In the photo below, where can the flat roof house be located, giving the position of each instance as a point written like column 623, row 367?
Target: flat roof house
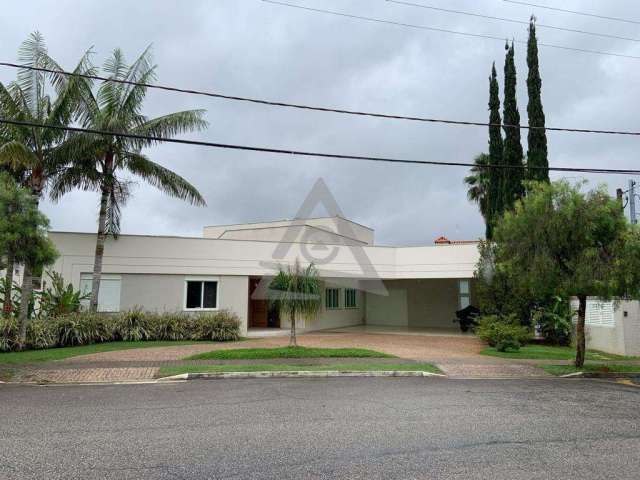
column 363, row 283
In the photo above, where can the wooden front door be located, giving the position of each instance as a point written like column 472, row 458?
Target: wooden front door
column 258, row 308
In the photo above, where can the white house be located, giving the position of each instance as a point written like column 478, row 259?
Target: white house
column 363, row 283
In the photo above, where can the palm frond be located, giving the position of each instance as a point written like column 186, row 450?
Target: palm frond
column 162, row 178
column 17, row 156
column 168, row 126
column 77, row 176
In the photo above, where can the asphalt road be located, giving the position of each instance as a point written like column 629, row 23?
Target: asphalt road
column 364, row 428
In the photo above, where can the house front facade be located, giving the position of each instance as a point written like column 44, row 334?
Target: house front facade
column 230, row 266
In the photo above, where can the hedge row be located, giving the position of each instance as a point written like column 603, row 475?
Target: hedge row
column 84, row 328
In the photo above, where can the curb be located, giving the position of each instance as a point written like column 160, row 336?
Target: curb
column 601, row 375
column 299, row 374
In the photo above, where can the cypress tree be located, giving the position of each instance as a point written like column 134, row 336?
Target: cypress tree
column 495, row 204
column 537, row 137
column 512, row 153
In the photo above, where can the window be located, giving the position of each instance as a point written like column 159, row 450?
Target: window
column 600, row 313
column 332, row 298
column 201, row 295
column 350, row 298
column 464, row 294
column 108, row 295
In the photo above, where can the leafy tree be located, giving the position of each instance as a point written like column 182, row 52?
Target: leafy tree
column 31, row 153
column 536, row 137
column 496, row 200
column 499, row 291
column 100, row 161
column 478, row 186
column 23, row 230
column 296, row 291
column 559, row 241
column 512, row 155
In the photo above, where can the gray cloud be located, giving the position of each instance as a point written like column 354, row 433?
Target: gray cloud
column 256, row 49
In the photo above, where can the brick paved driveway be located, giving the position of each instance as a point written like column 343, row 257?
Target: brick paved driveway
column 458, row 356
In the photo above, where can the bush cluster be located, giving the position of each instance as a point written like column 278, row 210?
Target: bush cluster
column 84, row 328
column 503, row 333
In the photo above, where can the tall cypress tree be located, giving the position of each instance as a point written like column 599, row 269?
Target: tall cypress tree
column 512, row 153
column 495, row 201
column 537, row 137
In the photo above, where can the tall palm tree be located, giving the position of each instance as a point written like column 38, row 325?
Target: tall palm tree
column 32, row 153
column 296, row 291
column 478, row 185
column 101, row 160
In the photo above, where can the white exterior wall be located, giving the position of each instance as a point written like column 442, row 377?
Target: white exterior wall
column 297, row 233
column 332, row 317
column 154, row 268
column 201, row 256
column 167, row 293
column 275, row 231
column 622, row 338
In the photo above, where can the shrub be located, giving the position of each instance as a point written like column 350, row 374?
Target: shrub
column 169, row 326
column 42, row 334
column 72, row 331
column 60, row 299
column 133, row 326
column 220, row 326
column 555, row 321
column 503, row 333
column 8, row 334
column 84, row 328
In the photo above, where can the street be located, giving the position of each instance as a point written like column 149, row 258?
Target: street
column 364, row 428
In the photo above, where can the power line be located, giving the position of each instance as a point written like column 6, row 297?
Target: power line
column 302, row 153
column 444, row 30
column 585, row 14
column 511, row 20
column 317, row 108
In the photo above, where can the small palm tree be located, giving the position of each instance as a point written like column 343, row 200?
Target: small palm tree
column 31, row 153
column 478, row 183
column 296, row 291
column 100, row 160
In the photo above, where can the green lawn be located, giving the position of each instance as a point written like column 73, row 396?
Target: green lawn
column 287, row 352
column 356, row 367
column 590, row 368
column 31, row 356
column 546, row 352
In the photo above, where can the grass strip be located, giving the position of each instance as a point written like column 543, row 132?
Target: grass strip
column 548, row 352
column 51, row 354
column 590, row 368
column 287, row 352
column 352, row 367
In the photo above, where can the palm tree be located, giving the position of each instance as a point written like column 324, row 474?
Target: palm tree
column 100, row 160
column 478, row 188
column 478, row 183
column 296, row 291
column 32, row 153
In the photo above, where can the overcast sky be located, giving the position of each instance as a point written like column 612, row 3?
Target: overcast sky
column 252, row 48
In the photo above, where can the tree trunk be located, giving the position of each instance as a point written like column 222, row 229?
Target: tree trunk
column 25, row 300
column 292, row 339
column 97, row 261
column 580, row 338
column 27, row 278
column 7, row 306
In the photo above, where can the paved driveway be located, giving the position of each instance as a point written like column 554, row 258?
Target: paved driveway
column 423, row 348
column 457, row 355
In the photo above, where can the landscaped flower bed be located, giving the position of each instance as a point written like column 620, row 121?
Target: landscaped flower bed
column 85, row 328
